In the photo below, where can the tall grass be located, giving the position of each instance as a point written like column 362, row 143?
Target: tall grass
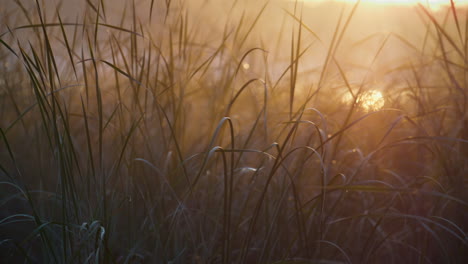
column 186, row 132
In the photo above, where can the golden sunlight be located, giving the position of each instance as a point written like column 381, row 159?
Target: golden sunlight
column 371, row 100
column 434, row 4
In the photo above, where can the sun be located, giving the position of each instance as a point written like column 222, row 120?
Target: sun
column 371, row 100
column 368, row 101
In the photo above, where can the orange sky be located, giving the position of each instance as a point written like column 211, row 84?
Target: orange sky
column 432, row 3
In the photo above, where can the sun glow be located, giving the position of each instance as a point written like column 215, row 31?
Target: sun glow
column 371, row 100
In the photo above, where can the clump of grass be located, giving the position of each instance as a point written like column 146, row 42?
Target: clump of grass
column 134, row 133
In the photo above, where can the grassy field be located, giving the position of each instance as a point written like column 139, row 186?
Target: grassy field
column 153, row 131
